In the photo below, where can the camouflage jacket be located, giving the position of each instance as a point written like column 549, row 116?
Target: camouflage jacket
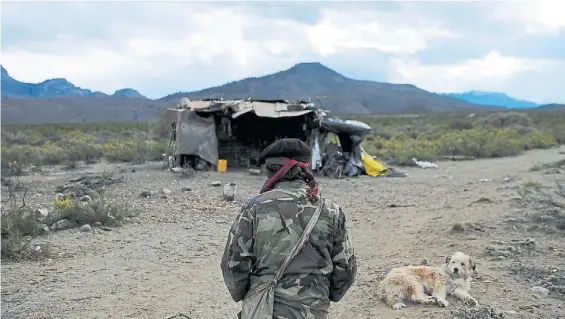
column 263, row 233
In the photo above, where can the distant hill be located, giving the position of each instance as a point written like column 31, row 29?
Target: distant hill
column 552, row 106
column 332, row 91
column 492, row 98
column 127, row 93
column 52, row 88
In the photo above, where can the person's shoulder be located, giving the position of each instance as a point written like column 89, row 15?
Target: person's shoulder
column 331, row 205
column 275, row 195
column 331, row 208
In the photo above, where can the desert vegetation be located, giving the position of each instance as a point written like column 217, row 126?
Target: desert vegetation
column 28, row 146
column 398, row 139
column 395, row 139
column 80, row 202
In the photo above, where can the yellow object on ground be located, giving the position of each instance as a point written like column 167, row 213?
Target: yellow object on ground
column 222, row 166
column 372, row 166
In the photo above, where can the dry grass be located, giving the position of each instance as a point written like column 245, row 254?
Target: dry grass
column 28, row 146
column 21, row 225
column 104, row 211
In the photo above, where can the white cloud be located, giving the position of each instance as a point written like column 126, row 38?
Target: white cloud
column 163, row 47
column 533, row 16
column 341, row 31
column 492, row 72
column 140, row 40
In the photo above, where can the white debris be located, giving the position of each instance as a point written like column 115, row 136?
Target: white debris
column 424, row 164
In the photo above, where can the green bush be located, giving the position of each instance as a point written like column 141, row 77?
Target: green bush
column 397, row 140
column 105, row 211
column 68, row 144
column 19, row 226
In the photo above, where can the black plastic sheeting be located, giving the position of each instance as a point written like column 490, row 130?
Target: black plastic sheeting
column 345, row 126
column 350, row 134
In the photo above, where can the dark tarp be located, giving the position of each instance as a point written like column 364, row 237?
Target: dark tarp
column 345, row 126
column 196, row 135
column 351, row 134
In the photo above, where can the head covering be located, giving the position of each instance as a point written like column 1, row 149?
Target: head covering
column 291, row 148
column 289, row 155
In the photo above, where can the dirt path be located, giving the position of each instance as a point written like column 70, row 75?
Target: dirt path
column 167, row 261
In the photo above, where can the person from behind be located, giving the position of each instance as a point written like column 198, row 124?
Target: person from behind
column 289, row 252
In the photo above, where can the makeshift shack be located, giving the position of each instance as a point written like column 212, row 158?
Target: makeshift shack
column 239, row 130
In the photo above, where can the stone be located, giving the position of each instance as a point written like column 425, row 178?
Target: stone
column 111, row 220
column 166, row 191
column 146, row 194
column 540, row 290
column 45, row 229
column 41, row 213
column 61, row 224
column 229, row 191
column 175, row 170
column 186, row 189
column 85, row 228
column 253, row 171
column 98, row 224
column 105, row 228
column 86, row 198
column 216, row 183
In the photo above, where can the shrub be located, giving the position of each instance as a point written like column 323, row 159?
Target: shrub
column 63, row 202
column 477, row 143
column 397, row 138
column 133, row 151
column 401, row 149
column 105, row 211
column 19, row 227
column 505, row 120
column 82, row 148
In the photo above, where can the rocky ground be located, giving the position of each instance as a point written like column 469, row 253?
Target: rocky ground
column 165, row 261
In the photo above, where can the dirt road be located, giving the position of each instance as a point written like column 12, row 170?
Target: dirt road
column 166, row 260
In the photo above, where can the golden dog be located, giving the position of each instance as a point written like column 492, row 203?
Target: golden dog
column 426, row 284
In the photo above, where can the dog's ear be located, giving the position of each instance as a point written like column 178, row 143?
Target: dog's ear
column 472, row 265
column 447, row 259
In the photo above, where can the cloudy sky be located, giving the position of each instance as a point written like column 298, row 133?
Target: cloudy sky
column 164, row 47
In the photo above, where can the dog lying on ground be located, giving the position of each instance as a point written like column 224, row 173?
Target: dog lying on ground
column 427, row 285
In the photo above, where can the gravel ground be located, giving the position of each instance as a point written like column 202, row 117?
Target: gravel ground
column 166, row 260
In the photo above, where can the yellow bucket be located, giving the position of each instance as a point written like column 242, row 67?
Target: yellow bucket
column 222, row 165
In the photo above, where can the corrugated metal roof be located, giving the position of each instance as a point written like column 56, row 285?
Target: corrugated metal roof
column 262, row 108
column 241, row 112
column 266, row 109
column 283, row 114
column 200, row 104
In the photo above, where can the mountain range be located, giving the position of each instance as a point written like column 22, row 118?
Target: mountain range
column 52, row 88
column 493, row 98
column 58, row 100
